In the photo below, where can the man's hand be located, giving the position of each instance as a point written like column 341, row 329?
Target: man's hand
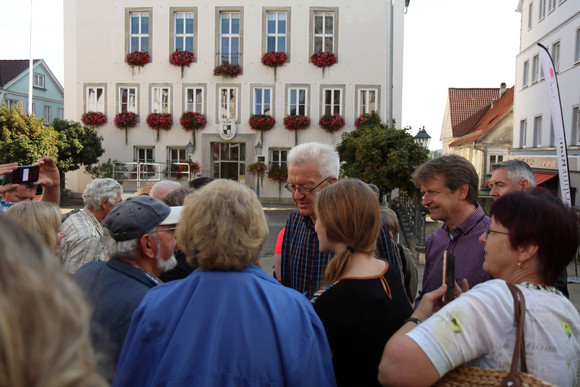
column 6, row 169
column 49, row 179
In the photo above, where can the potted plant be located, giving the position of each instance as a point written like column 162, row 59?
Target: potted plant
column 183, row 170
column 258, row 169
column 261, row 122
column 227, row 70
column 159, row 121
column 93, row 119
column 274, row 59
column 296, row 122
column 138, row 58
column 193, row 121
column 279, row 174
column 181, row 59
column 323, row 59
column 331, row 123
column 125, row 120
column 365, row 119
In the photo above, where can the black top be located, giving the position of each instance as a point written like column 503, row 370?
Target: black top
column 359, row 316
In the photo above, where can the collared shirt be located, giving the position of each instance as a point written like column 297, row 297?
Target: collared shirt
column 252, row 331
column 4, row 205
column 82, row 242
column 303, row 264
column 463, row 242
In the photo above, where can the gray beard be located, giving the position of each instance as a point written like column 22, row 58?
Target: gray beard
column 168, row 264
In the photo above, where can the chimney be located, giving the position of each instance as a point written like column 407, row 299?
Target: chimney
column 502, row 89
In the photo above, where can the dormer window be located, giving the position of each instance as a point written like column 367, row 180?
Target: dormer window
column 38, row 81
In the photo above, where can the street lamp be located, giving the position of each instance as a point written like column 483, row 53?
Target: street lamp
column 422, row 138
column 258, row 151
column 189, row 149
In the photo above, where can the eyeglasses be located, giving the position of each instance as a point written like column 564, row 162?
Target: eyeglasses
column 303, row 190
column 497, row 232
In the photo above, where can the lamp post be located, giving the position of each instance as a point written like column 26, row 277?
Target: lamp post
column 422, row 138
column 189, row 149
column 258, row 151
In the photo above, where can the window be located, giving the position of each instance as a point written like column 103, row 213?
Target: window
column 537, row 131
column 184, row 31
column 144, row 154
column 551, row 5
column 542, row 10
column 230, row 37
column 38, row 81
column 59, row 114
column 331, row 101
column 139, row 30
column 575, row 125
column 279, row 157
column 127, row 99
column 523, row 133
column 12, row 103
column 530, row 8
column 194, row 99
column 276, row 33
column 367, row 101
column 176, row 155
column 160, row 99
column 535, row 68
column 324, row 31
column 556, row 56
column 228, row 104
column 492, row 160
column 577, row 53
column 48, row 114
column 262, row 100
column 526, row 73
column 297, row 101
column 95, row 99
column 229, row 160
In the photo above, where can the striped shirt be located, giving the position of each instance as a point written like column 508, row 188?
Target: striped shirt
column 303, row 265
column 463, row 242
column 82, row 242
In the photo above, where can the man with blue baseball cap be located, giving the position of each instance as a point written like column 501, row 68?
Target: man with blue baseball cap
column 139, row 237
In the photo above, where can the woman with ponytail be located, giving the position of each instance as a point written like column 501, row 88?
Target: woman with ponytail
column 362, row 302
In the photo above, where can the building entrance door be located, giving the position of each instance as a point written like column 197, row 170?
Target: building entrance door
column 229, row 160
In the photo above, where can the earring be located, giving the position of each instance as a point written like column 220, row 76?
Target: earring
column 520, row 265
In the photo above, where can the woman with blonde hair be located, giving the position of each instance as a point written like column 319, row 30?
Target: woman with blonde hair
column 228, row 323
column 42, row 219
column 363, row 301
column 44, row 323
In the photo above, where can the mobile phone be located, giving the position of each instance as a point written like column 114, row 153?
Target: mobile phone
column 25, row 174
column 448, row 277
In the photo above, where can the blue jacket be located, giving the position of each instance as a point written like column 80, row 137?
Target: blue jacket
column 225, row 329
column 114, row 289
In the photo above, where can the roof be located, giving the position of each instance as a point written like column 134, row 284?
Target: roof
column 11, row 68
column 467, row 106
column 490, row 117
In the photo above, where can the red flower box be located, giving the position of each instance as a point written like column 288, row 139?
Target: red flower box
column 193, row 120
column 94, row 119
column 274, row 59
column 323, row 59
column 181, row 58
column 124, row 120
column 331, row 123
column 138, row 58
column 261, row 122
column 160, row 121
column 296, row 122
column 227, row 70
column 278, row 173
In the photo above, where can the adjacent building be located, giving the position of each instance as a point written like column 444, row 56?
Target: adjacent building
column 47, row 92
column 366, row 77
column 556, row 25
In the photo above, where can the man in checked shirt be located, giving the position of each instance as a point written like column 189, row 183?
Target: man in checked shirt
column 311, row 168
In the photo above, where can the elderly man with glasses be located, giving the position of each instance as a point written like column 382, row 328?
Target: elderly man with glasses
column 312, row 167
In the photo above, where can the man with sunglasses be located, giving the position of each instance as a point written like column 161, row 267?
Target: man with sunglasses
column 312, row 167
column 139, row 237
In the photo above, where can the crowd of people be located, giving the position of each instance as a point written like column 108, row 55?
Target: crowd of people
column 165, row 287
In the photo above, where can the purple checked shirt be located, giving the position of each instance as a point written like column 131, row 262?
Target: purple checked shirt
column 463, row 242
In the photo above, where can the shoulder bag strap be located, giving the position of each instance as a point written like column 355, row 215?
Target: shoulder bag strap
column 513, row 379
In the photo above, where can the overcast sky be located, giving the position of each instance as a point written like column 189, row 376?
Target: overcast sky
column 448, row 43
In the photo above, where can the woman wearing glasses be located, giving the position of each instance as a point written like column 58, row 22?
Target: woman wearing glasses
column 531, row 239
column 362, row 302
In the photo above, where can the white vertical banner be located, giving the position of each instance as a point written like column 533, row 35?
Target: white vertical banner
column 558, row 123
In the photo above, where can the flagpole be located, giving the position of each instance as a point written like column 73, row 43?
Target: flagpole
column 30, row 66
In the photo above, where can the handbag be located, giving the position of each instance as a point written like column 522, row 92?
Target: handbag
column 476, row 376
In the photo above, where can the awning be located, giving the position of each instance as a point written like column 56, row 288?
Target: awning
column 543, row 177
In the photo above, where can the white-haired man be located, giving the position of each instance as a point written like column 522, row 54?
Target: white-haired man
column 83, row 229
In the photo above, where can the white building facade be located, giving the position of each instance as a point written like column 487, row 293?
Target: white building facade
column 99, row 35
column 556, row 25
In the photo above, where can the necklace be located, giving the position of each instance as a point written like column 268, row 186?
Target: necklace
column 544, row 288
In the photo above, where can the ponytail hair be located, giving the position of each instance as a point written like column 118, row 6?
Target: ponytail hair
column 350, row 212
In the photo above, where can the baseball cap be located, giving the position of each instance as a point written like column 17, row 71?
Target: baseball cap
column 136, row 216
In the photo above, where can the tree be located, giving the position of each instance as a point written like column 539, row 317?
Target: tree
column 77, row 145
column 382, row 156
column 24, row 138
